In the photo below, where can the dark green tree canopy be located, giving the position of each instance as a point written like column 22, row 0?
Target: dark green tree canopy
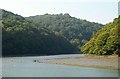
column 21, row 37
column 73, row 29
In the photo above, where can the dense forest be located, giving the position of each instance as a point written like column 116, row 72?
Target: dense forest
column 48, row 34
column 57, row 34
column 21, row 37
column 77, row 31
column 106, row 41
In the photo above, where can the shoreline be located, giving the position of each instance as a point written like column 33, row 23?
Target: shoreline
column 104, row 62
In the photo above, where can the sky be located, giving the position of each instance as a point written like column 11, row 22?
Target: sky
column 101, row 11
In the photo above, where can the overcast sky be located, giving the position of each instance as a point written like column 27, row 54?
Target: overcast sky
column 102, row 11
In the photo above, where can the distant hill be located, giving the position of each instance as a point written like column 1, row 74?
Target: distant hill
column 21, row 37
column 77, row 31
column 106, row 41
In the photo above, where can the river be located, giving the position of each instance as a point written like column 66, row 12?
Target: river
column 25, row 67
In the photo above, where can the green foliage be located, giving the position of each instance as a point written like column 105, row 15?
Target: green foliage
column 75, row 42
column 21, row 37
column 73, row 29
column 106, row 41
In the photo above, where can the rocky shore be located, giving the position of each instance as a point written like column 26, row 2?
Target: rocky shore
column 110, row 62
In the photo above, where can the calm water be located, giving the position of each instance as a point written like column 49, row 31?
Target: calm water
column 25, row 67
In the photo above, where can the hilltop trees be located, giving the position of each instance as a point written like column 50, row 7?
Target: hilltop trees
column 73, row 29
column 21, row 37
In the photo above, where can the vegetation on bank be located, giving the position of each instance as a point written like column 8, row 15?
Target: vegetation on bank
column 106, row 41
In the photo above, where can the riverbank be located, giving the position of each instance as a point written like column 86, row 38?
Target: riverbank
column 109, row 62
